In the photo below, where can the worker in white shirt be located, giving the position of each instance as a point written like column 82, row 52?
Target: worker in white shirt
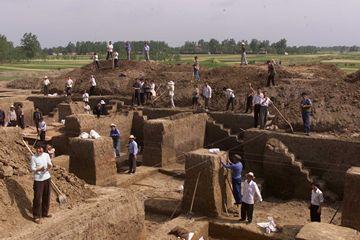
column 42, row 129
column 317, row 200
column 110, row 48
column 40, row 164
column 92, row 85
column 230, row 97
column 264, row 105
column 87, row 108
column 68, row 86
column 85, row 97
column 116, row 59
column 171, row 89
column 96, row 61
column 257, row 98
column 46, row 85
column 206, row 93
column 250, row 190
column 146, row 51
column 12, row 117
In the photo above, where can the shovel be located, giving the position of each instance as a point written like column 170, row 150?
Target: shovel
column 61, row 198
column 190, row 213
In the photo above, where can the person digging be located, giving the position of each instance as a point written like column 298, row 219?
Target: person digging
column 236, row 169
column 40, row 165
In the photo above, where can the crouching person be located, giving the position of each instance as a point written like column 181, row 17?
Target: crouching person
column 40, row 165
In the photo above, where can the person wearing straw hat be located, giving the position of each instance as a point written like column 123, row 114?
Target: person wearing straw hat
column 243, row 54
column 115, row 135
column 40, row 164
column 46, row 85
column 250, row 190
column 133, row 151
column 171, row 89
column 12, row 117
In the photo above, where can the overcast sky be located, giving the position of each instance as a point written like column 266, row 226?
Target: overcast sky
column 301, row 22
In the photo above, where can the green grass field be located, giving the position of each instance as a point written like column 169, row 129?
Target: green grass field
column 348, row 62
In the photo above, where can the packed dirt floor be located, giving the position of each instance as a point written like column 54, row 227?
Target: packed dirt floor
column 335, row 95
column 336, row 112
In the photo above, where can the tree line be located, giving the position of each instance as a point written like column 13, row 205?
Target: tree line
column 30, row 48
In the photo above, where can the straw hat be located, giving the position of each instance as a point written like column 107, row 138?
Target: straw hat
column 131, row 137
column 251, row 174
column 112, row 125
column 102, row 102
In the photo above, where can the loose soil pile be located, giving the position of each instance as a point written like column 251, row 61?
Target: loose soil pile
column 335, row 100
column 16, row 184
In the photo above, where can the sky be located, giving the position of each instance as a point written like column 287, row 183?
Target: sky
column 301, row 22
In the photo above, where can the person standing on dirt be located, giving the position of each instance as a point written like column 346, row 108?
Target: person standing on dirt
column 133, row 151
column 128, row 50
column 20, row 116
column 85, row 97
column 12, row 117
column 250, row 190
column 230, row 97
column 306, row 106
column 115, row 135
column 264, row 105
column 195, row 97
column 317, row 200
column 46, row 85
column 171, row 89
column 40, row 165
column 37, row 115
column 249, row 99
column 147, row 88
column 97, row 110
column 103, row 110
column 271, row 73
column 109, row 48
column 2, row 117
column 116, row 59
column 96, row 61
column 196, row 69
column 87, row 108
column 146, row 51
column 258, row 97
column 92, row 85
column 236, row 169
column 152, row 90
column 243, row 54
column 42, row 129
column 68, row 86
column 136, row 96
column 142, row 91
column 207, row 94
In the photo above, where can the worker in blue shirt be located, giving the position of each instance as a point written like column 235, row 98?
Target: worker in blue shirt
column 115, row 135
column 133, row 151
column 236, row 169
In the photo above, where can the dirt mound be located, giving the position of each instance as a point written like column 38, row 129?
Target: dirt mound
column 336, row 101
column 16, row 183
column 353, row 77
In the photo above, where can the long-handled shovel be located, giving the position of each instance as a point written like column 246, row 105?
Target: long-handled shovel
column 60, row 196
column 190, row 213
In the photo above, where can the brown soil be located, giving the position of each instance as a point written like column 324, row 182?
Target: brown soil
column 16, row 186
column 353, row 77
column 336, row 101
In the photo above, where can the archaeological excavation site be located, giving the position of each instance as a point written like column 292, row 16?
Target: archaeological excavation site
column 180, row 189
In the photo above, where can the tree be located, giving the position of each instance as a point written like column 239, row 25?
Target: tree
column 214, row 46
column 280, row 46
column 254, row 45
column 70, row 48
column 6, row 48
column 30, row 45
